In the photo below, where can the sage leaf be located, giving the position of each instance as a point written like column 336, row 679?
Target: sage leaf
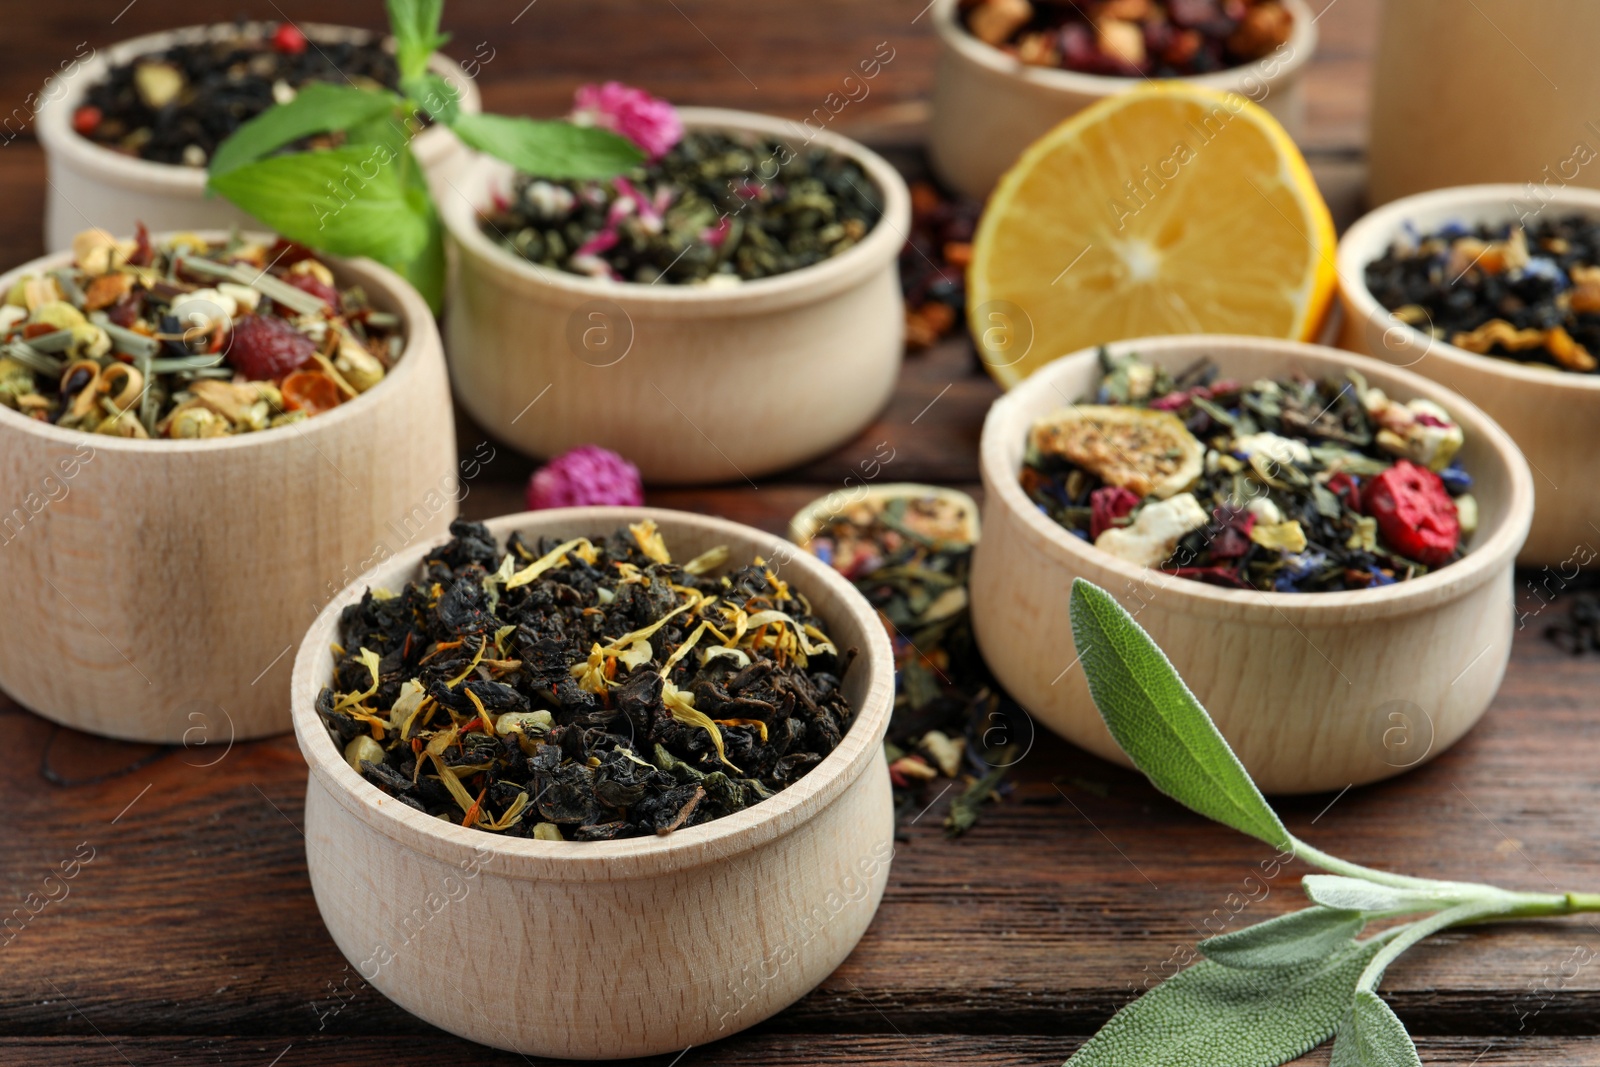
column 1356, row 894
column 1373, row 1036
column 320, row 107
column 548, row 149
column 1287, row 941
column 416, row 33
column 1159, row 723
column 1222, row 1017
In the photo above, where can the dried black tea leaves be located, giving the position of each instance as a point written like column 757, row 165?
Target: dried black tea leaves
column 716, row 209
column 177, row 105
column 1526, row 294
column 585, row 689
column 1289, row 484
column 910, row 556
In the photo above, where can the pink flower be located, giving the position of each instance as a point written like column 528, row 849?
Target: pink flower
column 588, row 474
column 647, row 121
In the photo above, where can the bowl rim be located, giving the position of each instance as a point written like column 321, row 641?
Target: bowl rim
column 806, row 522
column 1302, row 44
column 1492, row 557
column 1374, row 232
column 416, row 320
column 62, row 91
column 880, row 247
column 637, row 857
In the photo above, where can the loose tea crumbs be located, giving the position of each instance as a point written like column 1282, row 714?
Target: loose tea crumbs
column 1531, row 295
column 933, row 264
column 910, row 557
column 716, row 209
column 584, row 690
column 178, row 105
column 1289, row 484
column 1131, row 38
column 187, row 338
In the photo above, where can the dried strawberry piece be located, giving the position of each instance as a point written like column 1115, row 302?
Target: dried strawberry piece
column 286, row 253
column 1108, row 504
column 1345, row 486
column 318, row 288
column 1415, row 514
column 264, row 346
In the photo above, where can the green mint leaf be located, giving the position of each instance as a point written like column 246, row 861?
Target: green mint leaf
column 1159, row 723
column 1222, row 1017
column 1356, row 894
column 549, row 149
column 416, row 33
column 320, row 107
column 1373, row 1036
column 433, row 94
column 358, row 200
column 1287, row 941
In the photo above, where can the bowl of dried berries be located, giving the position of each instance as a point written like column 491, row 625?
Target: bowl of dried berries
column 1009, row 70
column 628, row 761
column 202, row 436
column 727, row 309
column 1494, row 291
column 1322, row 543
column 128, row 132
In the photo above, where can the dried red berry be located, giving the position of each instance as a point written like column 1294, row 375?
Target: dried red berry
column 1415, row 513
column 310, row 283
column 86, row 119
column 264, row 346
column 288, row 39
column 1107, row 505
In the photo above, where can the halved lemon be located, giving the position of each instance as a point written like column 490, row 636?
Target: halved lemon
column 1163, row 210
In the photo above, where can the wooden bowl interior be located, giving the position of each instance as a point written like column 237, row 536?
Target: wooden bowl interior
column 850, row 621
column 1501, row 482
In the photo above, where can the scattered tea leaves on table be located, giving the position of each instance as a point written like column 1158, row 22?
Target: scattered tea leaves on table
column 584, row 689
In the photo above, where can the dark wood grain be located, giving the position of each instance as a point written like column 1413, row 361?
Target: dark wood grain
column 192, row 937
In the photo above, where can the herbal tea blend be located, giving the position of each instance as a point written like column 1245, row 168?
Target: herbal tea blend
column 178, row 105
column 188, row 338
column 1131, row 38
column 1289, row 485
column 933, row 264
column 1531, row 295
column 705, row 208
column 584, row 690
column 910, row 556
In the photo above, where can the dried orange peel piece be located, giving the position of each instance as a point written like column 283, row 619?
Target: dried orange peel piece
column 1151, row 453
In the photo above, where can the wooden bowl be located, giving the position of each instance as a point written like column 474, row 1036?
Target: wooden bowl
column 1553, row 415
column 601, row 950
column 989, row 106
column 90, row 185
column 809, row 519
column 156, row 588
column 1315, row 691
column 1436, row 106
column 692, row 384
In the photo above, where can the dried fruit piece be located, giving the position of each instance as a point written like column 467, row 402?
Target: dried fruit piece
column 288, row 39
column 1155, row 532
column 994, row 21
column 1415, row 513
column 86, row 119
column 310, row 391
column 263, row 346
column 1150, row 453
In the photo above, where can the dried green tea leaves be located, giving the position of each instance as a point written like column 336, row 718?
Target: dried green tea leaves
column 584, row 690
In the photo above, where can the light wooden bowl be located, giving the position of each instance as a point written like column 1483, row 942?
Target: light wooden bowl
column 989, row 106
column 1448, row 81
column 809, row 519
column 1315, row 691
column 602, row 950
column 1553, row 415
column 156, row 588
column 90, row 185
column 691, row 384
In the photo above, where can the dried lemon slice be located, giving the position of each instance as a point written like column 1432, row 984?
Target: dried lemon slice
column 1151, row 453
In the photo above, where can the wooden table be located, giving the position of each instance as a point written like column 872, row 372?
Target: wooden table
column 191, row 935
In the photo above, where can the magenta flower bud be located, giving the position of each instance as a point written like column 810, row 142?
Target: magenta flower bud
column 647, row 121
column 588, row 474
